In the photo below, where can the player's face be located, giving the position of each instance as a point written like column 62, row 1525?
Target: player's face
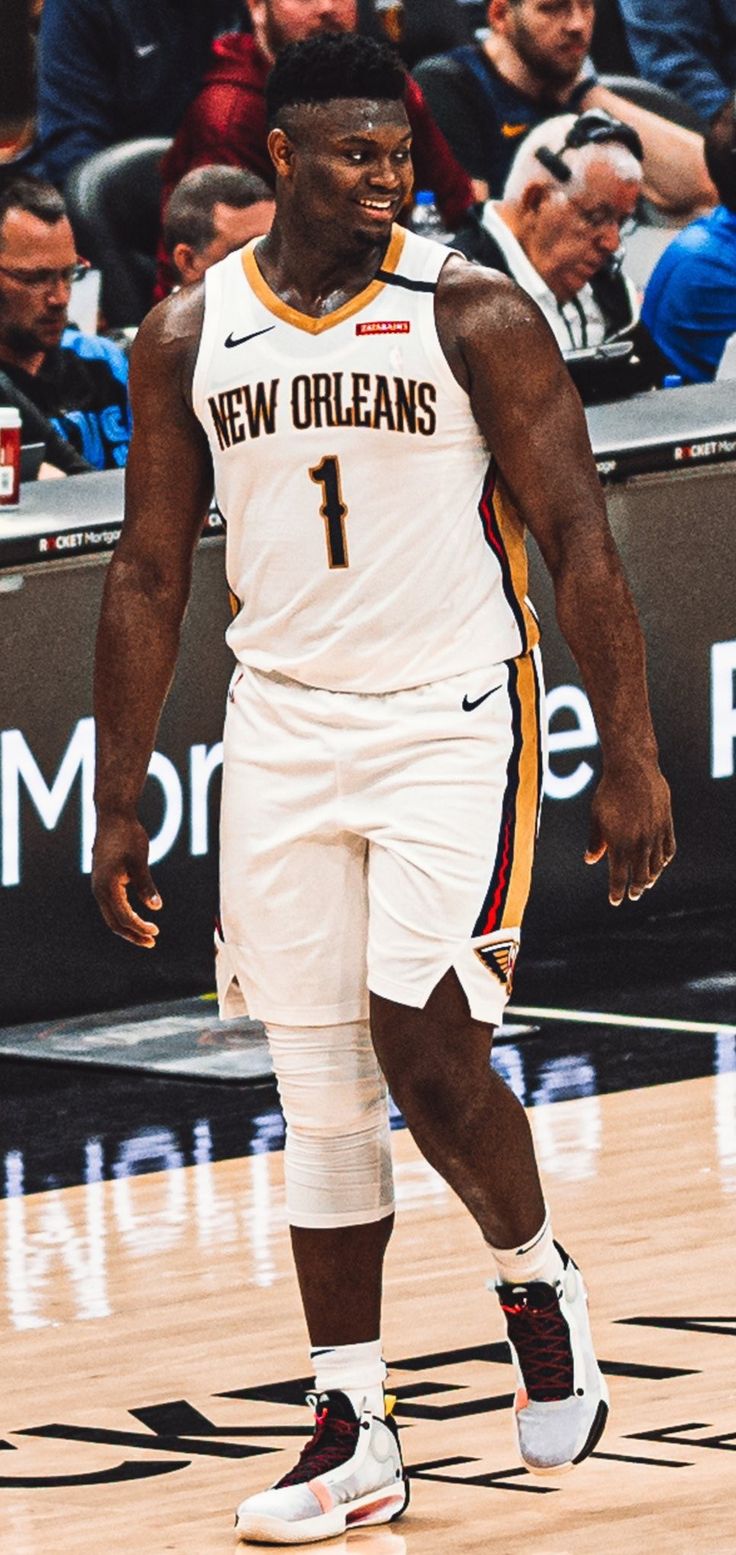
column 352, row 170
column 551, row 36
column 572, row 235
column 34, row 290
column 289, row 21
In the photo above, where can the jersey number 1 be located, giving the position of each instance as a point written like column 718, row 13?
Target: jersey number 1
column 333, row 509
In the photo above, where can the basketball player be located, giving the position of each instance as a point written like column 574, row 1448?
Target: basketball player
column 346, row 380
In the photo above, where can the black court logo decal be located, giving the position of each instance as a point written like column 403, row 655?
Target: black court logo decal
column 176, row 1433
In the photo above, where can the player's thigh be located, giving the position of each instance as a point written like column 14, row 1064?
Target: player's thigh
column 450, row 865
column 292, row 882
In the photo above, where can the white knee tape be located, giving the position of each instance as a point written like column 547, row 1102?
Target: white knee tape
column 338, row 1142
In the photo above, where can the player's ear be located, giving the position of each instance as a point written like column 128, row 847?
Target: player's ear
column 281, row 151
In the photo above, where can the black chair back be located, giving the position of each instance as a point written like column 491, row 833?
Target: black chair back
column 426, row 26
column 113, row 200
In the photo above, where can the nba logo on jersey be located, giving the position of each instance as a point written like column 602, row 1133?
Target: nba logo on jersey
column 500, row 958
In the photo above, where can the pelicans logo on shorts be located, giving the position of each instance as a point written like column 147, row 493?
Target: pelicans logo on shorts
column 500, row 958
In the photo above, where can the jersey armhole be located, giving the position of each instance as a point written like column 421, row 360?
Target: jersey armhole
column 433, row 345
column 213, row 290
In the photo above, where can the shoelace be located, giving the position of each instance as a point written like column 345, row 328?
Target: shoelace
column 542, row 1342
column 332, row 1444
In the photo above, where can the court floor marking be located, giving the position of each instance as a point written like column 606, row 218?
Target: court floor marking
column 600, row 1018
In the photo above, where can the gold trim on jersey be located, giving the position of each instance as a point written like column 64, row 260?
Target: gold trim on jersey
column 304, row 321
column 513, row 538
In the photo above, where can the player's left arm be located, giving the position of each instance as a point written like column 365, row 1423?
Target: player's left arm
column 503, row 352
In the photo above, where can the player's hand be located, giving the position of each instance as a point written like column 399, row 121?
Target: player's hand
column 120, row 860
column 631, row 821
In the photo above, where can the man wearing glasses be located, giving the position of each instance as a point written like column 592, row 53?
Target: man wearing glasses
column 77, row 382
column 558, row 231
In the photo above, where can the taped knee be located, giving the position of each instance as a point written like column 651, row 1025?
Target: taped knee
column 338, row 1142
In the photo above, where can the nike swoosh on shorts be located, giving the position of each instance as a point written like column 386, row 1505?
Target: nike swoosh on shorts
column 468, row 706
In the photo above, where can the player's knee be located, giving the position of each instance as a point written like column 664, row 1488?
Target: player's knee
column 329, row 1079
column 434, row 1085
column 425, row 1099
column 335, row 1102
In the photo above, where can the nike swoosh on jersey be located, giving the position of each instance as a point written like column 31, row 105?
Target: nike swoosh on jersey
column 142, row 49
column 468, row 706
column 510, row 131
column 230, row 342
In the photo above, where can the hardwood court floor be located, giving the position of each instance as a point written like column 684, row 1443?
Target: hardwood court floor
column 150, row 1326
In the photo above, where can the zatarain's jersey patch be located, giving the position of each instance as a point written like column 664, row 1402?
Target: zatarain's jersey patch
column 384, row 327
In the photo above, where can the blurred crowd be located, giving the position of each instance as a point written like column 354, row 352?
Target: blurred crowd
column 587, row 150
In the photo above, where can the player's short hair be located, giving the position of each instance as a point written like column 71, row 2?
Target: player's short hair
column 720, row 153
column 39, row 198
column 189, row 216
column 329, row 66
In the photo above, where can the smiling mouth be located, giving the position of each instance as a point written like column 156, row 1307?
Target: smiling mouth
column 378, row 207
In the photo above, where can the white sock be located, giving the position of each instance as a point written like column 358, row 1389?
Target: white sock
column 358, row 1370
column 535, row 1259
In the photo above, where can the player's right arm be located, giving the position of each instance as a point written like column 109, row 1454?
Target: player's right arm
column 503, row 352
column 168, row 488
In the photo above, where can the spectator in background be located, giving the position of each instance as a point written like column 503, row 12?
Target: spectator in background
column 212, row 211
column 78, row 382
column 690, row 300
column 226, row 122
column 688, row 46
column 572, row 189
column 415, row 27
column 17, row 88
column 112, row 70
column 534, row 64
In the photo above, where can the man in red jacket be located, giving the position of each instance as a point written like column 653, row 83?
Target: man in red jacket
column 226, row 122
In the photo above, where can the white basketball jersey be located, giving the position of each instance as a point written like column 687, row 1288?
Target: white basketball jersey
column 365, row 546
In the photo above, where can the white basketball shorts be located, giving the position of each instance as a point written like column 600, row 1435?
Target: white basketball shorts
column 375, row 841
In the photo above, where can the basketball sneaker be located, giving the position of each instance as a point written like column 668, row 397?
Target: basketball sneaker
column 349, row 1475
column 561, row 1400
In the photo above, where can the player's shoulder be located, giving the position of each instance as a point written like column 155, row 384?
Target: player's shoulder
column 475, row 301
column 176, row 320
column 167, row 342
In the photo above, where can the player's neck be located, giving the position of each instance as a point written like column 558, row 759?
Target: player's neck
column 311, row 278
